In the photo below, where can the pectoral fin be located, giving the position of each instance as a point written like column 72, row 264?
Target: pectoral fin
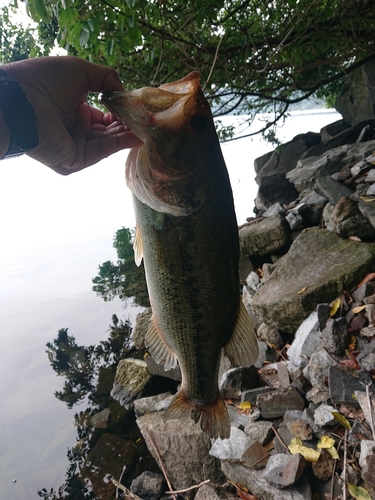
column 138, row 247
column 158, row 348
column 242, row 348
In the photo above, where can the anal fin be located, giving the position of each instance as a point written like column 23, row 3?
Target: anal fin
column 158, row 348
column 242, row 348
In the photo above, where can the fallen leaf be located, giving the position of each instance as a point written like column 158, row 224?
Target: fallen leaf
column 358, row 492
column 367, row 198
column 352, row 343
column 325, row 442
column 302, row 290
column 309, row 454
column 368, row 277
column 244, row 406
column 358, row 309
column 354, row 238
column 333, row 452
column 334, row 307
column 341, row 420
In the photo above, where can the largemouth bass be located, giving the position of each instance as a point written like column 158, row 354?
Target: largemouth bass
column 187, row 235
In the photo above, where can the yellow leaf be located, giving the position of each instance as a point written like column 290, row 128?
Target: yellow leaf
column 341, row 420
column 358, row 492
column 245, row 405
column 367, row 198
column 334, row 307
column 309, row 454
column 302, row 290
column 359, row 309
column 333, row 452
column 325, row 442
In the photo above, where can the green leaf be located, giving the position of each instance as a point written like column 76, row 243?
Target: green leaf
column 84, row 36
column 341, row 420
column 358, row 492
column 42, row 11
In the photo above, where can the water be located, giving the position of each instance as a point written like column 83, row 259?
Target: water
column 54, row 232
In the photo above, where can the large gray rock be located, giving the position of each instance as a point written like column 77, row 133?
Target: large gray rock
column 256, row 483
column 142, row 323
column 183, row 448
column 265, row 237
column 356, row 101
column 318, row 266
column 306, row 341
column 131, row 378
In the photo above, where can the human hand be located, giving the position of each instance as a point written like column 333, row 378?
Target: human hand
column 72, row 134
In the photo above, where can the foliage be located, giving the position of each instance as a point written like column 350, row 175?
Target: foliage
column 253, row 55
column 123, row 279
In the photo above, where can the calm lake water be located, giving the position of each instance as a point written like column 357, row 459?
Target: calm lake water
column 54, row 232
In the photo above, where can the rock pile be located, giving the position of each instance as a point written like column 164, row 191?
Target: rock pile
column 303, row 417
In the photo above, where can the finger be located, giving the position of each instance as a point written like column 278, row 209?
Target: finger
column 100, row 77
column 98, row 149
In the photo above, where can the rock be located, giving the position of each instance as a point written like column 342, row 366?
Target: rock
column 358, row 226
column 256, row 456
column 149, row 485
column 368, row 331
column 284, row 470
column 323, row 468
column 260, row 431
column 295, row 221
column 216, row 492
column 265, row 237
column 256, row 483
column 282, row 439
column 369, row 477
column 100, row 419
column 368, row 210
column 306, row 341
column 142, row 322
column 183, row 448
column 335, row 336
column 158, row 369
column 274, row 209
column 234, row 381
column 342, row 386
column 131, row 378
column 363, row 291
column 270, row 335
column 314, row 199
column 363, row 402
column 331, row 189
column 276, row 403
column 343, row 210
column 323, row 415
column 317, row 370
column 323, row 311
column 296, row 422
column 367, row 451
column 274, row 189
column 232, row 448
column 252, row 395
column 106, row 460
column 150, row 404
column 356, row 100
column 366, row 358
column 318, row 266
column 253, row 281
column 242, row 419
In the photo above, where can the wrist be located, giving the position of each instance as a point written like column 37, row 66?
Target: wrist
column 18, row 116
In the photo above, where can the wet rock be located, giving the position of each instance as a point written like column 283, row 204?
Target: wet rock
column 366, row 358
column 183, row 448
column 131, row 378
column 306, row 341
column 234, row 381
column 232, row 448
column 256, row 456
column 265, row 237
column 342, row 386
column 158, row 369
column 323, row 415
column 270, row 335
column 358, row 226
column 100, row 419
column 216, row 492
column 284, row 470
column 259, row 486
column 276, row 403
column 150, row 404
column 318, row 266
column 335, row 336
column 141, row 326
column 260, row 431
column 149, row 485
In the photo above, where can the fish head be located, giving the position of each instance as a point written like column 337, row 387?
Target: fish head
column 170, row 172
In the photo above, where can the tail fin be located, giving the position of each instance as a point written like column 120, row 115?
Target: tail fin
column 212, row 417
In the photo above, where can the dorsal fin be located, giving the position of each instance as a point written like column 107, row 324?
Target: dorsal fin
column 138, row 247
column 242, row 348
column 158, row 348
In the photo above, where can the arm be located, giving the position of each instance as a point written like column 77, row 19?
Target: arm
column 72, row 134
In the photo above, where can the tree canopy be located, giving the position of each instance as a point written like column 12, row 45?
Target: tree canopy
column 253, row 55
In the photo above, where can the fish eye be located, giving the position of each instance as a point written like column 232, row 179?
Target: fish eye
column 199, row 123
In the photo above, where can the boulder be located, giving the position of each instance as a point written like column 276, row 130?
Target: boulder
column 182, row 447
column 131, row 378
column 318, row 266
column 142, row 322
column 265, row 237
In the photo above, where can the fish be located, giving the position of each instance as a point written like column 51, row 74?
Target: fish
column 187, row 235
